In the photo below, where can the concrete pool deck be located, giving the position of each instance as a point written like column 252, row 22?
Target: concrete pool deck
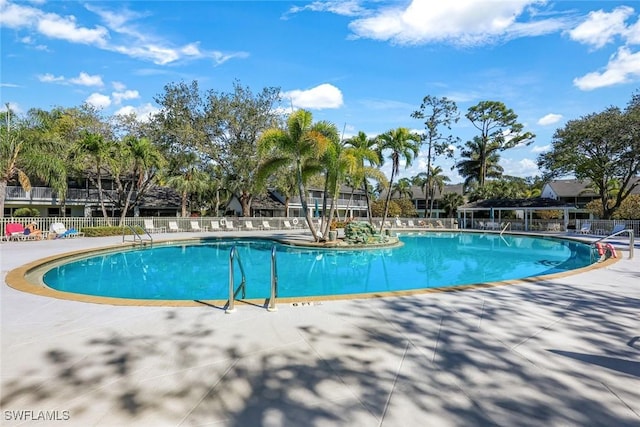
column 564, row 351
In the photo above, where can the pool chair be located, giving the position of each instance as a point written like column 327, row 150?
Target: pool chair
column 287, row 225
column 173, row 227
column 266, row 225
column 228, row 224
column 195, row 226
column 585, row 229
column 410, row 224
column 399, row 224
column 15, row 231
column 618, row 228
column 61, row 231
column 150, row 227
column 248, row 225
column 439, row 224
column 215, row 226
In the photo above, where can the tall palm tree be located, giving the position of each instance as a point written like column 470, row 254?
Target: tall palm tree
column 339, row 162
column 429, row 182
column 190, row 182
column 403, row 144
column 479, row 163
column 368, row 158
column 302, row 140
column 93, row 153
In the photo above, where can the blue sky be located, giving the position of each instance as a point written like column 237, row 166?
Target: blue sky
column 363, row 65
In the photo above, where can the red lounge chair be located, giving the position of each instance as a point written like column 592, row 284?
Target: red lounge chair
column 15, row 231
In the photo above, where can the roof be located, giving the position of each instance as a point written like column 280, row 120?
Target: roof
column 160, row 197
column 538, row 203
column 577, row 187
column 417, row 193
column 266, row 201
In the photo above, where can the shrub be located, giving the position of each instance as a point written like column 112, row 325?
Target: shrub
column 109, row 231
column 26, row 212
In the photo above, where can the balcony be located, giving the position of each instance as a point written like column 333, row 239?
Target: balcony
column 46, row 195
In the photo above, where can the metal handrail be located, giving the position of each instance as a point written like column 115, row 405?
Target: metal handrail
column 274, row 281
column 505, row 227
column 631, row 239
column 135, row 234
column 233, row 253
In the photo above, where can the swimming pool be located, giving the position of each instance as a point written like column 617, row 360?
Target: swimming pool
column 200, row 270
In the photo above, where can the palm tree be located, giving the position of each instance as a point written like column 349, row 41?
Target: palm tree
column 93, row 152
column 299, row 142
column 365, row 149
column 403, row 144
column 429, row 182
column 450, row 203
column 339, row 162
column 403, row 188
column 480, row 163
column 191, row 181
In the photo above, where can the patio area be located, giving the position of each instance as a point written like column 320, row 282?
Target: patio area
column 564, row 351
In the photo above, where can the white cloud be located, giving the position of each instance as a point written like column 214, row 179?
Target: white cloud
column 623, row 66
column 85, row 79
column 119, row 86
column 319, row 97
column 601, row 27
column 339, row 7
column 521, row 168
column 119, row 35
column 143, row 112
column 98, row 100
column 118, row 97
column 50, row 78
column 542, row 149
column 550, row 119
column 460, row 22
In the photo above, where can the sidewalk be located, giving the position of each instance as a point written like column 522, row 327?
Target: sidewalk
column 560, row 352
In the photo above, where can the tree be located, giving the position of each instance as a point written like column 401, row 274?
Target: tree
column 476, row 165
column 192, row 181
column 600, row 147
column 450, row 203
column 437, row 112
column 235, row 122
column 402, row 188
column 300, row 142
column 368, row 158
column 429, row 182
column 499, row 131
column 403, row 145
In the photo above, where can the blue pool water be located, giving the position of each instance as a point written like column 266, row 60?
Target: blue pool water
column 200, row 271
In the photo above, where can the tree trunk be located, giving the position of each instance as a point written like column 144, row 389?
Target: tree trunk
column 245, row 202
column 386, row 204
column 3, row 194
column 183, row 203
column 303, row 200
column 366, row 195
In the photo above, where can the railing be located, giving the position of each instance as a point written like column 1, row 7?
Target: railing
column 234, row 254
column 135, row 234
column 631, row 240
column 508, row 225
column 274, row 281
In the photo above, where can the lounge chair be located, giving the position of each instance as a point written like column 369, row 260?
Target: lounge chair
column 410, row 223
column 215, row 226
column 15, row 231
column 173, row 227
column 150, row 227
column 399, row 224
column 585, row 229
column 228, row 224
column 266, row 225
column 248, row 225
column 439, row 224
column 62, row 233
column 287, row 225
column 195, row 226
column 618, row 228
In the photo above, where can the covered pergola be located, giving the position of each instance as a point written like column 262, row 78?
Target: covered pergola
column 495, row 208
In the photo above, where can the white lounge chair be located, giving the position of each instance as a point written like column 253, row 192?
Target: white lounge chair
column 173, row 227
column 62, row 233
column 150, row 227
column 287, row 225
column 399, row 224
column 228, row 224
column 585, row 229
column 195, row 226
column 215, row 226
column 266, row 225
column 439, row 224
column 410, row 223
column 248, row 225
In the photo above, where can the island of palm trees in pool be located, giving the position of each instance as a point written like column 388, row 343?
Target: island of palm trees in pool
column 360, row 233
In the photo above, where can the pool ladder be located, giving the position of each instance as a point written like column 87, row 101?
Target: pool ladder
column 242, row 288
column 136, row 235
column 627, row 231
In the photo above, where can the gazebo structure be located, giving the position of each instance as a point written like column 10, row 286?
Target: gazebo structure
column 495, row 208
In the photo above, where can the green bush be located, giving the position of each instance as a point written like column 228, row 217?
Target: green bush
column 26, row 212
column 109, row 231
